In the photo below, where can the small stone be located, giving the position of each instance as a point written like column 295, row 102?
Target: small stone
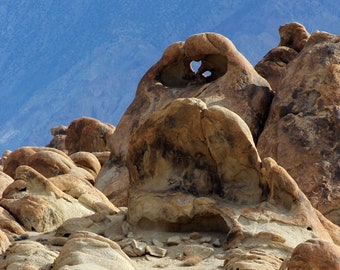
column 130, row 235
column 57, row 241
column 199, row 250
column 157, row 243
column 206, row 239
column 156, row 251
column 195, row 235
column 173, row 240
column 217, row 243
column 135, row 249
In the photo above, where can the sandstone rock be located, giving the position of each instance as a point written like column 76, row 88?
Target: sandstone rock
column 8, row 224
column 88, row 134
column 156, row 251
column 38, row 204
column 102, row 156
column 5, row 180
column 302, row 130
column 59, row 136
column 293, row 37
column 28, row 255
column 233, row 83
column 314, row 254
column 88, row 161
column 199, row 250
column 196, row 168
column 87, row 251
column 4, row 242
column 173, row 240
column 48, row 161
column 135, row 248
column 4, row 157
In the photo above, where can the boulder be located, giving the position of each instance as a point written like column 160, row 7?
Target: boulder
column 225, row 78
column 293, row 37
column 48, row 161
column 195, row 167
column 85, row 250
column 37, row 203
column 28, row 254
column 5, row 180
column 8, row 224
column 88, row 134
column 59, row 136
column 314, row 254
column 87, row 161
column 303, row 128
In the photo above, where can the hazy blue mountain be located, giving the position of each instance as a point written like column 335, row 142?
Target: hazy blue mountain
column 60, row 60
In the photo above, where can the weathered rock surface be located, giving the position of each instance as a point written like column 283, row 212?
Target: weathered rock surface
column 302, row 132
column 224, row 78
column 85, row 250
column 195, row 167
column 88, row 134
column 314, row 254
column 40, row 205
column 293, row 37
column 28, row 255
column 59, row 136
column 5, row 180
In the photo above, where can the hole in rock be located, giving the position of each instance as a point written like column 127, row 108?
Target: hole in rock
column 207, row 73
column 195, row 65
column 206, row 223
column 309, row 228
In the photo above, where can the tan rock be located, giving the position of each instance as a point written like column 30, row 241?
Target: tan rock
column 85, row 250
column 196, row 168
column 293, row 35
column 88, row 161
column 8, row 224
column 5, row 180
column 28, row 255
column 88, row 134
column 314, row 254
column 4, row 157
column 59, row 136
column 233, row 83
column 4, row 242
column 303, row 126
column 48, row 161
column 199, row 250
column 39, row 205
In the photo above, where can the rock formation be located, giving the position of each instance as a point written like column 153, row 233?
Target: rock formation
column 302, row 132
column 207, row 176
column 195, row 167
column 224, row 78
column 88, row 134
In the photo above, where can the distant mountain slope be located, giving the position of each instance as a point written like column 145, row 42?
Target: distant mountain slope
column 60, row 60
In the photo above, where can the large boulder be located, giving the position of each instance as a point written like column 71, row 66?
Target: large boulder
column 195, row 167
column 314, row 254
column 224, row 78
column 87, row 251
column 88, row 134
column 303, row 128
column 42, row 204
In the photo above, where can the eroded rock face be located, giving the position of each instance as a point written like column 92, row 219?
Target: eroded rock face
column 293, row 37
column 42, row 204
column 303, row 129
column 195, row 167
column 225, row 78
column 314, row 254
column 28, row 255
column 59, row 136
column 85, row 250
column 5, row 180
column 88, row 134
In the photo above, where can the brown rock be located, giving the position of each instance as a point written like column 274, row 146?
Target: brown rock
column 232, row 83
column 8, row 224
column 293, row 35
column 315, row 254
column 59, row 136
column 303, row 128
column 5, row 180
column 28, row 255
column 88, row 161
column 38, row 204
column 48, row 161
column 195, row 168
column 88, row 134
column 4, row 157
column 86, row 250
